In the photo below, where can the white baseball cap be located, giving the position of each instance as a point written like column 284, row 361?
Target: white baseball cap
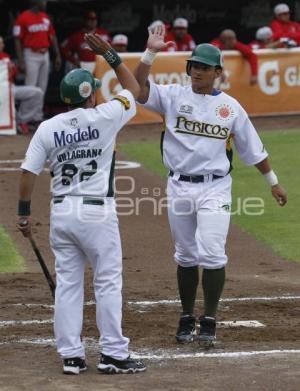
column 181, row 23
column 281, row 9
column 156, row 23
column 263, row 33
column 120, row 39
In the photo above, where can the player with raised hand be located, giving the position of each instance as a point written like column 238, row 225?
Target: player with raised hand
column 79, row 145
column 200, row 123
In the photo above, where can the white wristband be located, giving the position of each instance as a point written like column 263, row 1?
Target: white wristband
column 148, row 57
column 271, row 178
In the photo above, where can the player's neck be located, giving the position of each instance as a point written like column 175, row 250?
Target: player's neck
column 203, row 91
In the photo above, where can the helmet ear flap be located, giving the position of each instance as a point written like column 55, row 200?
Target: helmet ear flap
column 188, row 68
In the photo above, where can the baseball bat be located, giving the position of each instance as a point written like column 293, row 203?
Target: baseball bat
column 47, row 274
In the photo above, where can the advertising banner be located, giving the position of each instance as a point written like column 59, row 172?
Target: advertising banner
column 277, row 91
column 7, row 122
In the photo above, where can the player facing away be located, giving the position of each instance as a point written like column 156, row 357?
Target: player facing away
column 84, row 225
column 200, row 122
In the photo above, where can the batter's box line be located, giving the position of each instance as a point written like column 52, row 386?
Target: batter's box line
column 223, row 324
column 150, row 303
column 158, row 355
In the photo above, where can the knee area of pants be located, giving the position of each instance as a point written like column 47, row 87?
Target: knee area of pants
column 184, row 262
column 212, row 263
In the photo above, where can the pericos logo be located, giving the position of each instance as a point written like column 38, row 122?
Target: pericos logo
column 224, row 112
column 203, row 129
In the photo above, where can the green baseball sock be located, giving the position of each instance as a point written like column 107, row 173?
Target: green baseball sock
column 212, row 283
column 188, row 279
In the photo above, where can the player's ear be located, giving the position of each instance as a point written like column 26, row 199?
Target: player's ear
column 188, row 68
column 92, row 99
column 218, row 71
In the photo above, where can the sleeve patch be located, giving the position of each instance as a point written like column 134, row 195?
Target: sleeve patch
column 123, row 100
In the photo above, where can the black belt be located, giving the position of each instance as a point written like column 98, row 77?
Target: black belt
column 194, row 178
column 86, row 200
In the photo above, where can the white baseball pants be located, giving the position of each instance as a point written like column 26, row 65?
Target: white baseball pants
column 199, row 217
column 31, row 103
column 37, row 68
column 79, row 232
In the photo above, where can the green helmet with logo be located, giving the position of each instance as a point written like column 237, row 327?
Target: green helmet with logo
column 77, row 86
column 206, row 54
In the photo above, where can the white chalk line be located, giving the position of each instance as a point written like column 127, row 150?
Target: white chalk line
column 150, row 354
column 149, row 303
column 6, row 323
column 223, row 324
column 225, row 300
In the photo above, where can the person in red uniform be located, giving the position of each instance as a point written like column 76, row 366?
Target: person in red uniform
column 30, row 98
column 228, row 41
column 120, row 43
column 34, row 34
column 265, row 40
column 183, row 41
column 282, row 25
column 75, row 48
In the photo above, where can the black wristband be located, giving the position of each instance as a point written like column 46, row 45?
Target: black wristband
column 112, row 58
column 24, row 208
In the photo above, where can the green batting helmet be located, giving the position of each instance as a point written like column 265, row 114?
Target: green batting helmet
column 77, row 86
column 206, row 54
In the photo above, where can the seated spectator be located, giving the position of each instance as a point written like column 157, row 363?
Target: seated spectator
column 183, row 41
column 30, row 98
column 120, row 43
column 264, row 40
column 283, row 27
column 76, row 50
column 228, row 41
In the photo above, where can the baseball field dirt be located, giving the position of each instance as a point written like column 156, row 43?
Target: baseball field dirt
column 260, row 287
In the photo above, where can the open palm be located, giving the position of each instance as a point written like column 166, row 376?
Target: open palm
column 156, row 41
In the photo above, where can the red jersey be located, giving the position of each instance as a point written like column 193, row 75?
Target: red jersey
column 254, row 45
column 35, row 30
column 185, row 44
column 246, row 52
column 77, row 44
column 12, row 68
column 286, row 30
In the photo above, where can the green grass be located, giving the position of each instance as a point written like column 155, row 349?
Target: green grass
column 278, row 227
column 10, row 259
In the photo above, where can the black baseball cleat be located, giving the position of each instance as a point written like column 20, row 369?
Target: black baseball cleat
column 111, row 366
column 74, row 365
column 186, row 331
column 207, row 336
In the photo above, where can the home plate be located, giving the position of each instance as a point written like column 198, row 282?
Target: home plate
column 240, row 323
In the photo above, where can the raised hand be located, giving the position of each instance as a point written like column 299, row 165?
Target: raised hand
column 97, row 44
column 156, row 41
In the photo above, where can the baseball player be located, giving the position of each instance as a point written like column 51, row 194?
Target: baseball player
column 180, row 37
column 34, row 34
column 120, row 43
column 264, row 40
column 84, row 225
column 228, row 41
column 283, row 27
column 200, row 122
column 30, row 98
column 75, row 48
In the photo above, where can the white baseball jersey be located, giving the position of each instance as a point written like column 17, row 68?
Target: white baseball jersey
column 199, row 129
column 80, row 147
